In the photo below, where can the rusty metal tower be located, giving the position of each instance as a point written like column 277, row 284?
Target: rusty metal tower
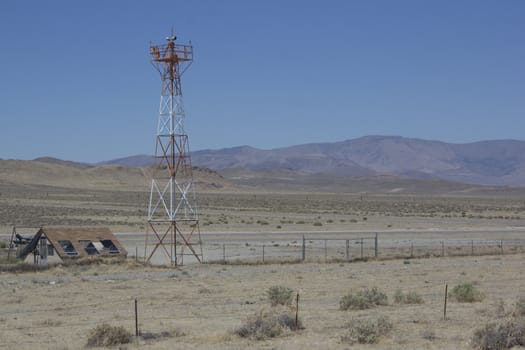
column 173, row 219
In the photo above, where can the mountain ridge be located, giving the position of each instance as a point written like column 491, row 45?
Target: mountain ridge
column 488, row 162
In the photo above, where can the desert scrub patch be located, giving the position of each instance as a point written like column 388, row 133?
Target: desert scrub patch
column 411, row 297
column 107, row 335
column 280, row 295
column 366, row 330
column 268, row 324
column 519, row 308
column 428, row 334
column 466, row 293
column 500, row 335
column 174, row 333
column 364, row 299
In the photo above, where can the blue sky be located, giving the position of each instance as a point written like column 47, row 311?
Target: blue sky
column 76, row 82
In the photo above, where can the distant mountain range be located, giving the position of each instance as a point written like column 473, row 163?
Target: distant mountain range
column 498, row 162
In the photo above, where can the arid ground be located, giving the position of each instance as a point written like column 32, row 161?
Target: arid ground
column 201, row 305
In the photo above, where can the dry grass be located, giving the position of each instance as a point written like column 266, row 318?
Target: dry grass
column 107, row 335
column 268, row 323
column 410, row 297
column 466, row 293
column 367, row 331
column 364, row 299
column 500, row 335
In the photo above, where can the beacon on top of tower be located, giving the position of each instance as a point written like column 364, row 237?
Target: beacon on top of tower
column 171, row 52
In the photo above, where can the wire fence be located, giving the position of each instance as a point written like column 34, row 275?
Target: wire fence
column 315, row 248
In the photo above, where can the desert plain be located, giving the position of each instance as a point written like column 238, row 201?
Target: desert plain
column 201, row 306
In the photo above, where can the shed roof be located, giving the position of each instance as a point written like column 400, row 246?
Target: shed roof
column 80, row 242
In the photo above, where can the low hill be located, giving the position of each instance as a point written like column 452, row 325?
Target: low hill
column 26, row 173
column 288, row 181
column 52, row 160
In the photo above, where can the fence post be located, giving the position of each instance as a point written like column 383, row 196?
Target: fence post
column 501, row 246
column 347, row 250
column 376, row 247
column 263, row 252
column 472, row 247
column 303, row 251
column 136, row 319
column 224, row 253
column 442, row 248
column 411, row 249
column 361, row 249
column 445, row 304
column 325, row 250
column 297, row 311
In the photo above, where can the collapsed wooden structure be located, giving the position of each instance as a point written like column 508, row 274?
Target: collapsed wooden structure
column 72, row 243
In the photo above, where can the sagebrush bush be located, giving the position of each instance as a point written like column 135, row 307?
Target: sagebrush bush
column 268, row 324
column 107, row 335
column 500, row 335
column 410, row 297
column 363, row 299
column 466, row 293
column 279, row 295
column 367, row 331
column 519, row 308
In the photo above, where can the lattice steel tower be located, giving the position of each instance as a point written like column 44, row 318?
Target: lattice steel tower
column 173, row 218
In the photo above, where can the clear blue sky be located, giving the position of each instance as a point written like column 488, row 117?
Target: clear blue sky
column 76, row 82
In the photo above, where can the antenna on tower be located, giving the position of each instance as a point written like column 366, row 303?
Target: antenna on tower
column 173, row 217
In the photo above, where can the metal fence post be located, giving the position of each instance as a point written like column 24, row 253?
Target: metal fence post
column 224, row 253
column 361, row 249
column 472, row 247
column 442, row 248
column 325, row 250
column 263, row 252
column 136, row 319
column 303, row 251
column 347, row 250
column 376, row 247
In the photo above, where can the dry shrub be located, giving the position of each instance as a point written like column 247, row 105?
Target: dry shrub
column 367, row 331
column 500, row 335
column 411, row 297
column 428, row 334
column 364, row 299
column 268, row 324
column 466, row 293
column 174, row 333
column 519, row 308
column 15, row 266
column 107, row 335
column 279, row 295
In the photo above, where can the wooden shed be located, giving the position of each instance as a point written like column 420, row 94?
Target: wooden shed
column 71, row 243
